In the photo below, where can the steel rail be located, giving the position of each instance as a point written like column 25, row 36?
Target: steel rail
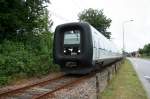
column 41, row 96
column 13, row 91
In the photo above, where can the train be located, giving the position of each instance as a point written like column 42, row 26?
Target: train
column 79, row 48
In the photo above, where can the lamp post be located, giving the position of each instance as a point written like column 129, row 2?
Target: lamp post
column 123, row 30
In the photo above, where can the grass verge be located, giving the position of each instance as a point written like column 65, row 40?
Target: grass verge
column 146, row 57
column 125, row 85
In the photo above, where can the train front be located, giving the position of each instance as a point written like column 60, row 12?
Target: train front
column 73, row 48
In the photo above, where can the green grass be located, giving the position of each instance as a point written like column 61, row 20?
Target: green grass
column 125, row 85
column 146, row 57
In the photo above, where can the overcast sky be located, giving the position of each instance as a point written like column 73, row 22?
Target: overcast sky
column 137, row 32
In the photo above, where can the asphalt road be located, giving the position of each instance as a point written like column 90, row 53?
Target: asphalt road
column 142, row 67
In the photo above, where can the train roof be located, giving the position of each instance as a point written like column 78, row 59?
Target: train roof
column 107, row 41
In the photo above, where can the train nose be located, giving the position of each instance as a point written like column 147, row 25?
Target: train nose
column 73, row 45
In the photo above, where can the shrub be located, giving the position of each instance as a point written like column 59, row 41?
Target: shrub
column 31, row 58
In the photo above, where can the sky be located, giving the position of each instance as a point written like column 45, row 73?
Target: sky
column 137, row 32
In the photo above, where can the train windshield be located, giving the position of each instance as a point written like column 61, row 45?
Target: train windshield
column 72, row 42
column 72, row 37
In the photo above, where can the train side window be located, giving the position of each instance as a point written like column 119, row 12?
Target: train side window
column 94, row 44
column 103, row 44
column 99, row 45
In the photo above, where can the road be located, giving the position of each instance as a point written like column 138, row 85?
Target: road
column 142, row 67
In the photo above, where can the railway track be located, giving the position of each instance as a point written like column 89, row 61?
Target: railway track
column 43, row 89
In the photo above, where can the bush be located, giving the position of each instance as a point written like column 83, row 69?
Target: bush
column 31, row 58
column 4, row 80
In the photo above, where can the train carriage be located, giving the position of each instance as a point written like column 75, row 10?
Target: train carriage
column 78, row 47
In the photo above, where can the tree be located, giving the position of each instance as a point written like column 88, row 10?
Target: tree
column 140, row 51
column 145, row 50
column 97, row 19
column 19, row 18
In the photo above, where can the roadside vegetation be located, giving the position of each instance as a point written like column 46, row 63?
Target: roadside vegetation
column 25, row 40
column 125, row 85
column 145, row 56
column 34, row 58
column 145, row 51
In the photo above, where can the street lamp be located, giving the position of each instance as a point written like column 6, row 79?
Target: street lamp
column 123, row 30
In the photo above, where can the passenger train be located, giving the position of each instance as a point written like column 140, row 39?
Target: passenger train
column 79, row 47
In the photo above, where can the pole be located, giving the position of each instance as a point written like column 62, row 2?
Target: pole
column 123, row 45
column 123, row 31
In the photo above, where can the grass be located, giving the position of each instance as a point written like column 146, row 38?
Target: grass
column 146, row 57
column 125, row 85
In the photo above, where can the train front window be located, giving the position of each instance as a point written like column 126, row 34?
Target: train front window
column 72, row 42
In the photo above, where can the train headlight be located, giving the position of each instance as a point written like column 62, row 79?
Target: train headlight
column 71, row 49
column 64, row 51
column 78, row 51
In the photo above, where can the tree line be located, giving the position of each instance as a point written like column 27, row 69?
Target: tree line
column 24, row 18
column 145, row 50
column 21, row 18
column 25, row 39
